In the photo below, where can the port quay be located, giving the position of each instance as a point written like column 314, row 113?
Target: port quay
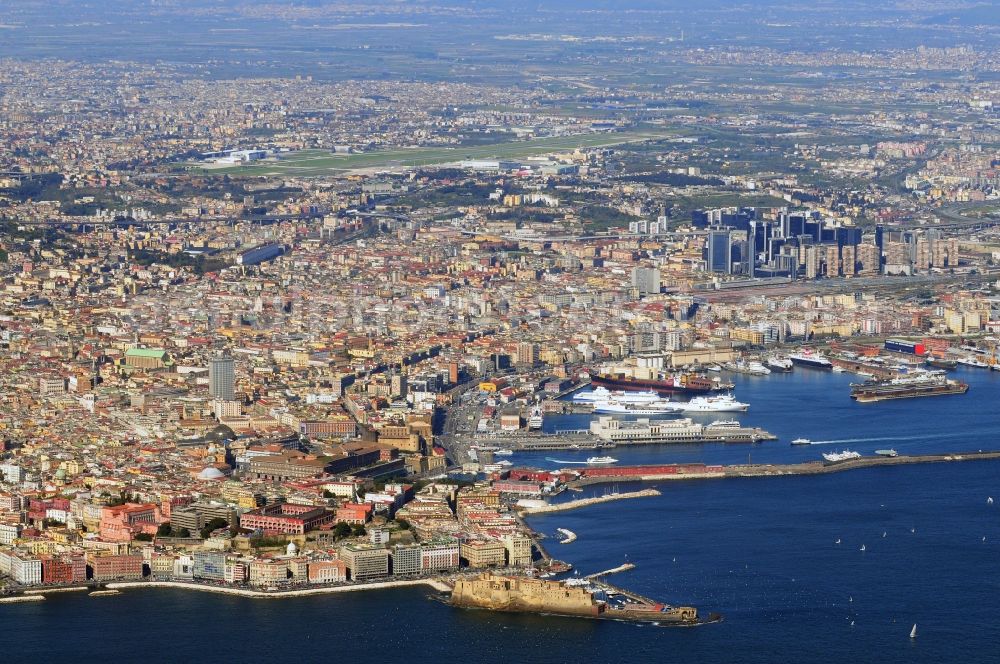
column 610, row 432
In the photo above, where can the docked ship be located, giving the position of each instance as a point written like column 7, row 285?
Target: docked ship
column 617, row 431
column 616, row 407
column 604, row 394
column 941, row 363
column 908, row 387
column 779, row 364
column 839, row 457
column 536, row 420
column 565, row 598
column 749, row 368
column 808, row 358
column 679, row 383
column 718, row 404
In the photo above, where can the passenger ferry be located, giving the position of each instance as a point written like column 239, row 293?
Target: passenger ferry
column 601, row 393
column 615, row 407
column 720, row 404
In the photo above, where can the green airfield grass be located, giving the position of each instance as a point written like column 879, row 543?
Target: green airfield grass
column 312, row 163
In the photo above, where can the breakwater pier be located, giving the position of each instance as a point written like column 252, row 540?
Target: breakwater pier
column 614, row 570
column 585, row 502
column 697, row 471
column 820, row 468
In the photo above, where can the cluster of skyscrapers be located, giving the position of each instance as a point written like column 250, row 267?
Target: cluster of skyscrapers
column 803, row 244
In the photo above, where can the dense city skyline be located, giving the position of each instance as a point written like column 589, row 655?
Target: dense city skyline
column 301, row 298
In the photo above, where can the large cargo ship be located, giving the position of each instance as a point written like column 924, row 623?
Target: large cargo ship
column 923, row 385
column 578, row 598
column 681, row 383
column 941, row 363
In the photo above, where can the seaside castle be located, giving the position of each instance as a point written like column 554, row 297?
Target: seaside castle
column 502, row 593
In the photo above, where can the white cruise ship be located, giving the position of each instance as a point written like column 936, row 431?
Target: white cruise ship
column 536, row 420
column 720, row 404
column 601, row 393
column 615, row 407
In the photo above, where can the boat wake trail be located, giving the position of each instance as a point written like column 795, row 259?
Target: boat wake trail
column 880, row 439
column 584, row 463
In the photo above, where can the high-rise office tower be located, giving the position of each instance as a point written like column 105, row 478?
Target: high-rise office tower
column 222, row 378
column 718, row 254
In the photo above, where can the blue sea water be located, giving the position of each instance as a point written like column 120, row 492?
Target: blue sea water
column 760, row 551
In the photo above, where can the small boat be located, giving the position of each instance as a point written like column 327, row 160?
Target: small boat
column 801, row 441
column 883, row 533
column 863, row 548
column 913, row 632
column 838, row 541
column 837, row 369
column 989, row 500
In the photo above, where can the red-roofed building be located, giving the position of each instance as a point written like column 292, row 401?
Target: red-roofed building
column 286, row 518
column 354, row 513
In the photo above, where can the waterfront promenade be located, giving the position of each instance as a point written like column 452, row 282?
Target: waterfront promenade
column 435, row 583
